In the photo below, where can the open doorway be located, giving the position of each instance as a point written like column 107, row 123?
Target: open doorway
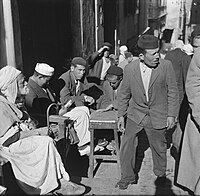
column 45, row 33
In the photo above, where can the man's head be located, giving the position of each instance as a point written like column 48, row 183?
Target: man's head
column 78, row 66
column 128, row 56
column 123, row 49
column 43, row 73
column 149, row 47
column 114, row 76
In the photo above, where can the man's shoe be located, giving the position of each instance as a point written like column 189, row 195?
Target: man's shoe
column 122, row 184
column 70, row 188
column 160, row 180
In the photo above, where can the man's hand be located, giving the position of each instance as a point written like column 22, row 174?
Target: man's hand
column 89, row 99
column 170, row 122
column 121, row 124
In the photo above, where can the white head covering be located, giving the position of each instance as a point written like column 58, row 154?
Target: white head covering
column 188, row 49
column 44, row 69
column 179, row 44
column 122, row 49
column 8, row 82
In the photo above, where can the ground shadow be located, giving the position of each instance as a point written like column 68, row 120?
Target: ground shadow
column 164, row 188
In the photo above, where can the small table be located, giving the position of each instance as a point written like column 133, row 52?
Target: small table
column 103, row 120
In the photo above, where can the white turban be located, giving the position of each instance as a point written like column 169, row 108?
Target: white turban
column 123, row 49
column 8, row 82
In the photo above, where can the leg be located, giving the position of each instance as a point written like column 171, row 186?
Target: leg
column 81, row 117
column 127, row 154
column 158, row 147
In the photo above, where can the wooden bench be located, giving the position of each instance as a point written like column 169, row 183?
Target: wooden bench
column 99, row 121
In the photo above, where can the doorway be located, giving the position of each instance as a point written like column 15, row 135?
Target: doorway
column 45, row 33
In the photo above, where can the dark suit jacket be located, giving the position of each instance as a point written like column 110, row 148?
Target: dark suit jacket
column 180, row 62
column 37, row 101
column 163, row 94
column 68, row 92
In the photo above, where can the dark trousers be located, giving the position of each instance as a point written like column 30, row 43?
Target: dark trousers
column 128, row 146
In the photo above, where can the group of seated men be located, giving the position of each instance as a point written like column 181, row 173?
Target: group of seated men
column 77, row 97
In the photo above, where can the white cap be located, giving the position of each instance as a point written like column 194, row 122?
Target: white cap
column 188, row 49
column 123, row 48
column 44, row 69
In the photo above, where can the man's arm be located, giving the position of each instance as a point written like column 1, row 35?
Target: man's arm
column 173, row 94
column 185, row 65
column 96, row 56
column 124, row 94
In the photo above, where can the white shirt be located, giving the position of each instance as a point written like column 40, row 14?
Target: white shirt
column 104, row 68
column 146, row 75
column 77, row 86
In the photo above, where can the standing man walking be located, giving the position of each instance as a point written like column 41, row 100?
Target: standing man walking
column 180, row 62
column 148, row 98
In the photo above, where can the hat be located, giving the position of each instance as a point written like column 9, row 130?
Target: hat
column 44, row 69
column 115, row 70
column 107, row 44
column 188, row 49
column 123, row 48
column 148, row 42
column 128, row 54
column 196, row 31
column 79, row 61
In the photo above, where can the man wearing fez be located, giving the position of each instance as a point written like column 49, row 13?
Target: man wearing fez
column 98, row 64
column 148, row 98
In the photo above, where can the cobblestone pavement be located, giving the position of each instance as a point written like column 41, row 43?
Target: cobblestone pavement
column 106, row 177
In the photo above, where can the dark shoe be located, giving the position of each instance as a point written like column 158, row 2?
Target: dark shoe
column 122, row 184
column 160, row 180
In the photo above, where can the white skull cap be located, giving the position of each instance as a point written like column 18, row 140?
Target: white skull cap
column 44, row 69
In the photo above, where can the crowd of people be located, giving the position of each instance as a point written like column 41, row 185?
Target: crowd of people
column 152, row 92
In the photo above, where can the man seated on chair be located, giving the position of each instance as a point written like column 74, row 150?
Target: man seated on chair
column 40, row 97
column 75, row 100
column 114, row 77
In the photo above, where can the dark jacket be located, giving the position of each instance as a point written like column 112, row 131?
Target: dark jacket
column 180, row 62
column 37, row 101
